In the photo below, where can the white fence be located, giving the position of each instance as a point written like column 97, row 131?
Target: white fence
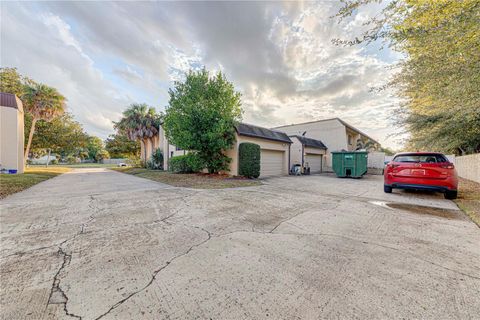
column 376, row 160
column 114, row 161
column 468, row 167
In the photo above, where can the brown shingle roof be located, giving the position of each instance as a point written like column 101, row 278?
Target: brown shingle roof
column 250, row 130
column 8, row 100
column 309, row 142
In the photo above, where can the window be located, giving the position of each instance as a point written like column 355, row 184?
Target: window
column 349, row 140
column 423, row 158
column 178, row 149
column 171, row 154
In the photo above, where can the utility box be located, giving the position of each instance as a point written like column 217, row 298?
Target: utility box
column 349, row 163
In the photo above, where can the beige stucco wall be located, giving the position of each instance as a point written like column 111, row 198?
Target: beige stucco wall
column 333, row 133
column 296, row 151
column 264, row 144
column 12, row 138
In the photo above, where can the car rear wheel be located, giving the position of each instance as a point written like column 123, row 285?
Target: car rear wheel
column 450, row 195
column 387, row 189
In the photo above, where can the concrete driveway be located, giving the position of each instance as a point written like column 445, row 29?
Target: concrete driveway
column 96, row 244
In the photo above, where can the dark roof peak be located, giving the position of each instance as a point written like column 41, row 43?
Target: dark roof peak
column 250, row 130
column 309, row 142
column 9, row 100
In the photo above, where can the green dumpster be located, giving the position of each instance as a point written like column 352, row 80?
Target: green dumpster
column 349, row 163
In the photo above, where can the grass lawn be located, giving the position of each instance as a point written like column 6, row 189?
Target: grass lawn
column 192, row 180
column 469, row 199
column 79, row 165
column 13, row 183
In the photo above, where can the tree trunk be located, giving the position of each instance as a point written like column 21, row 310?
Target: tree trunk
column 145, row 150
column 48, row 158
column 30, row 136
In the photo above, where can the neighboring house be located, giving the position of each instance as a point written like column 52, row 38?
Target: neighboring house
column 43, row 159
column 307, row 152
column 274, row 146
column 281, row 147
column 11, row 135
column 274, row 149
column 335, row 133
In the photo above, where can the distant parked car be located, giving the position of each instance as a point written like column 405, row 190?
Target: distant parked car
column 421, row 171
column 122, row 164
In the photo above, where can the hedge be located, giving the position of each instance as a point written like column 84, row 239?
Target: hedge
column 249, row 160
column 188, row 163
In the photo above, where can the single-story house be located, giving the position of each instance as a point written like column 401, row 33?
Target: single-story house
column 43, row 159
column 334, row 133
column 281, row 147
column 11, row 135
column 274, row 146
column 274, row 149
column 307, row 152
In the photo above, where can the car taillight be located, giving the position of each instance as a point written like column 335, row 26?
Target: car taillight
column 448, row 166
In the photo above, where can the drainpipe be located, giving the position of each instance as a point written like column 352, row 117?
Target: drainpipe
column 289, row 164
column 303, row 160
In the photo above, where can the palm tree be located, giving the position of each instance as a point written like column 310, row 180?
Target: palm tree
column 368, row 145
column 43, row 103
column 139, row 122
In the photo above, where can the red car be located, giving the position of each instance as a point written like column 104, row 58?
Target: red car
column 421, row 171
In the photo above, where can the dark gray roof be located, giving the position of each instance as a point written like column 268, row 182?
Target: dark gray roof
column 8, row 100
column 249, row 130
column 312, row 143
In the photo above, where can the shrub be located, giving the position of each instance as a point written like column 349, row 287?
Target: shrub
column 156, row 160
column 54, row 161
column 134, row 161
column 249, row 160
column 101, row 154
column 188, row 163
column 71, row 159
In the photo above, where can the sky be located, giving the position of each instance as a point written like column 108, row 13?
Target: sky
column 103, row 56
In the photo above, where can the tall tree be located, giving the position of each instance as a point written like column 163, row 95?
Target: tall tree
column 94, row 145
column 139, row 122
column 120, row 146
column 43, row 103
column 63, row 135
column 201, row 116
column 440, row 76
column 11, row 81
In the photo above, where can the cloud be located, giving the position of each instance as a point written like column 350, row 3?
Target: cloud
column 103, row 56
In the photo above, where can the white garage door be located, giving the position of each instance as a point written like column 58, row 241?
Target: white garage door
column 271, row 163
column 314, row 161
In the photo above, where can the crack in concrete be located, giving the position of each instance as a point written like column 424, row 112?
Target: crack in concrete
column 157, row 271
column 296, row 215
column 57, row 295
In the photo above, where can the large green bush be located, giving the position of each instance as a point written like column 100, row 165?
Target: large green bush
column 188, row 163
column 249, row 160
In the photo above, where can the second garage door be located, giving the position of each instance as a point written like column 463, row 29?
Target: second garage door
column 271, row 163
column 315, row 162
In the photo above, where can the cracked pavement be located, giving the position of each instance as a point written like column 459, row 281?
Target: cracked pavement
column 97, row 244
